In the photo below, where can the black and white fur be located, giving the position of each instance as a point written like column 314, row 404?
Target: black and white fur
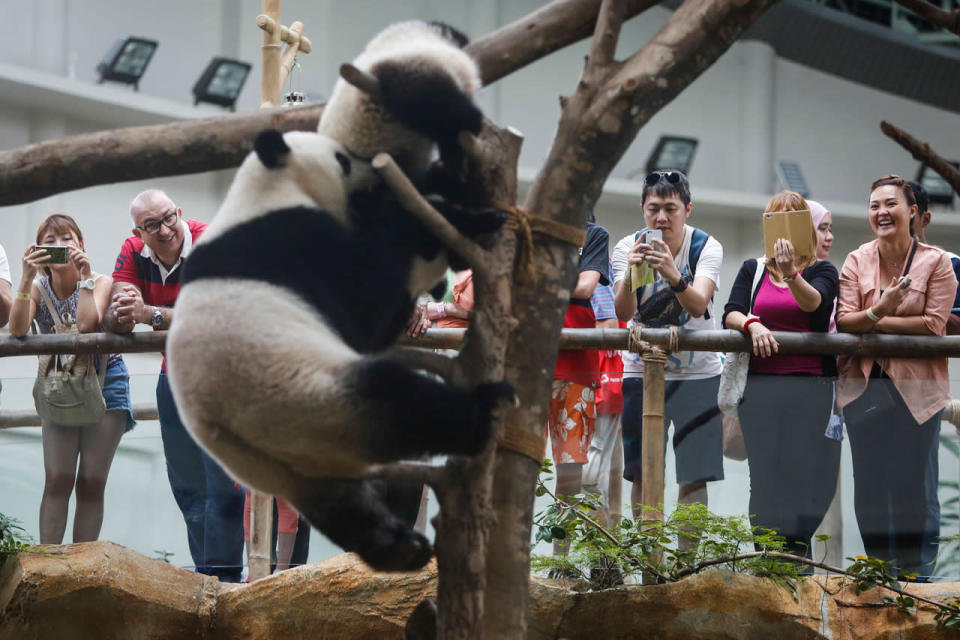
column 428, row 83
column 279, row 300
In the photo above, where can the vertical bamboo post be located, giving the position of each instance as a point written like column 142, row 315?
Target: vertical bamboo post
column 652, row 438
column 261, row 504
column 270, row 57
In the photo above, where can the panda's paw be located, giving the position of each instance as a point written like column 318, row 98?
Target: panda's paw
column 402, row 549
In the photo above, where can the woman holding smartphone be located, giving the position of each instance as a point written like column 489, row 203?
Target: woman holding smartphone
column 788, row 398
column 79, row 295
column 892, row 406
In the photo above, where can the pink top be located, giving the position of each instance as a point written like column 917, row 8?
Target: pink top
column 778, row 311
column 923, row 383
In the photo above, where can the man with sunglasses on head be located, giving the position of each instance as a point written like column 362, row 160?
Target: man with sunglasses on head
column 685, row 267
column 146, row 281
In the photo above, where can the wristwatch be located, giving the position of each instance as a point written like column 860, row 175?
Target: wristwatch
column 156, row 320
column 88, row 284
column 680, row 286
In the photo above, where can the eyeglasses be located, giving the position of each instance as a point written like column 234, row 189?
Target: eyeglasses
column 673, row 177
column 168, row 220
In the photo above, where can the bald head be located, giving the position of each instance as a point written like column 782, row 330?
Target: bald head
column 150, row 200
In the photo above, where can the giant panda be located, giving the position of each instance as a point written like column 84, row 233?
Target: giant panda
column 427, row 84
column 270, row 354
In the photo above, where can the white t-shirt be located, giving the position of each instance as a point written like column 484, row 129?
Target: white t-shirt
column 659, row 307
column 4, row 266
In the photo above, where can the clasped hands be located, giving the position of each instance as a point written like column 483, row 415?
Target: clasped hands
column 126, row 306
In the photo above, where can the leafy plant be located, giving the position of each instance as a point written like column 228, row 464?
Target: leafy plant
column 13, row 538
column 601, row 557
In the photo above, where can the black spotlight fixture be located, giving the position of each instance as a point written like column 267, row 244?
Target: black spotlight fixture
column 672, row 152
column 126, row 60
column 221, row 82
column 938, row 189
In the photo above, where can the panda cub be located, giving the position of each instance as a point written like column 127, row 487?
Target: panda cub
column 427, row 84
column 278, row 303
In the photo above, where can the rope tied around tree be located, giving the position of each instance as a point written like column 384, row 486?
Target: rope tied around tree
column 526, row 224
column 526, row 443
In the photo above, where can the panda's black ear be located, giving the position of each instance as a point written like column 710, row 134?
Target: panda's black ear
column 271, row 148
column 344, row 161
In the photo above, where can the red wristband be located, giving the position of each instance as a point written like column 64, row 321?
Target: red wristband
column 749, row 321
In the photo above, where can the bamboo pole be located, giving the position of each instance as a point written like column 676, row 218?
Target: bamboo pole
column 652, row 439
column 261, row 504
column 270, row 56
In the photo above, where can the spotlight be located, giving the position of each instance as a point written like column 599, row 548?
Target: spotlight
column 938, row 189
column 126, row 60
column 672, row 152
column 221, row 82
column 791, row 178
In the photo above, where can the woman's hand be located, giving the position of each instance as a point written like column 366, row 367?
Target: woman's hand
column 419, row 322
column 764, row 344
column 892, row 296
column 657, row 255
column 80, row 260
column 783, row 254
column 33, row 260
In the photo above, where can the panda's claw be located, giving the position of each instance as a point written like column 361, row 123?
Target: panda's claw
column 408, row 550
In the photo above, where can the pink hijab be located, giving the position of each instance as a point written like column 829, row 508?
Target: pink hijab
column 817, row 211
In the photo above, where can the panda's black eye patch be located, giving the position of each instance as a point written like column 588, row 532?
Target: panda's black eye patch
column 344, row 162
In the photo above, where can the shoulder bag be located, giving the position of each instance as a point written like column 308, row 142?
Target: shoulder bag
column 68, row 390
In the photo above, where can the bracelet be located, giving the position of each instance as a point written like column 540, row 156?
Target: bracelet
column 873, row 317
column 681, row 286
column 441, row 310
column 22, row 296
column 750, row 321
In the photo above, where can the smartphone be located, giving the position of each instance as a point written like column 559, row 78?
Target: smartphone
column 58, row 255
column 653, row 233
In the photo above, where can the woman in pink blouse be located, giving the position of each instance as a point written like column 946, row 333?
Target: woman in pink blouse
column 892, row 406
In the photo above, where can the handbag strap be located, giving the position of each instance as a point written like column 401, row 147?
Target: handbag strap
column 913, row 252
column 57, row 321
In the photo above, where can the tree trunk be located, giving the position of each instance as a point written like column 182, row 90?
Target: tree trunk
column 612, row 101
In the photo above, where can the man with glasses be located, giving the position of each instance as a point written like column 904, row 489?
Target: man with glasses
column 146, row 281
column 675, row 289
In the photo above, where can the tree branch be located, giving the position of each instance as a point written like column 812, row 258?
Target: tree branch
column 444, row 366
column 362, row 80
column 949, row 20
column 552, row 27
column 413, row 202
column 921, row 151
column 413, row 472
column 603, row 47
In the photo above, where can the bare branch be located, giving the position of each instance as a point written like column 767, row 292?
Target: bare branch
column 605, row 36
column 362, row 80
column 408, row 471
column 413, row 202
column 552, row 27
column 921, row 151
column 949, row 20
column 134, row 153
column 426, row 360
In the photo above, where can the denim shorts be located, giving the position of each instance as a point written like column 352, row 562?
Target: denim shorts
column 116, row 391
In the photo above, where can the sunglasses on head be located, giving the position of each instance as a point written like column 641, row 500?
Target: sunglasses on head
column 673, row 177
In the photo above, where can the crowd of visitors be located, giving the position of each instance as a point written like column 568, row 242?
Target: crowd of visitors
column 793, row 413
